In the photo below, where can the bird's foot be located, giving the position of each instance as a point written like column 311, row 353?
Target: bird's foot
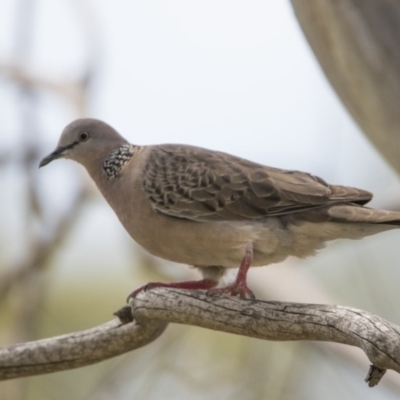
column 203, row 284
column 239, row 289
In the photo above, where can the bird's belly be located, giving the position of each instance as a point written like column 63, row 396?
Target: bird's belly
column 211, row 243
column 224, row 243
column 197, row 243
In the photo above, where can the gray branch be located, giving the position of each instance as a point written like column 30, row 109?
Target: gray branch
column 153, row 310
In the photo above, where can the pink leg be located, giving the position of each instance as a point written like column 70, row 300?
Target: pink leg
column 239, row 287
column 203, row 284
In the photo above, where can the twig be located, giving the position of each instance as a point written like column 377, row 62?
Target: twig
column 268, row 320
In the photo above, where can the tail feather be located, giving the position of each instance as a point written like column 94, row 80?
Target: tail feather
column 359, row 214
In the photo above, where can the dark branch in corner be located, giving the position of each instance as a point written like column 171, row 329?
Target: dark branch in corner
column 153, row 310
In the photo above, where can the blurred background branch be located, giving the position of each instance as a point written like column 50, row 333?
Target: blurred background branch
column 357, row 44
column 25, row 278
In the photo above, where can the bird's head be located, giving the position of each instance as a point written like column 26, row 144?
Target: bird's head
column 85, row 141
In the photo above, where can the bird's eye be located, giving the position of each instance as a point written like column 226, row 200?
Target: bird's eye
column 83, row 136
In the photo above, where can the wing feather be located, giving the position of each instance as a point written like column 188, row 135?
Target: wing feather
column 204, row 185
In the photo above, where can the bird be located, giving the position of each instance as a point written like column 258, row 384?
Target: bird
column 213, row 210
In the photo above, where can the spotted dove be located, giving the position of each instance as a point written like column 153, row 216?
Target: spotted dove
column 214, row 210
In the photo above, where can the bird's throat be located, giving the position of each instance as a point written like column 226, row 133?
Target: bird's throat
column 116, row 160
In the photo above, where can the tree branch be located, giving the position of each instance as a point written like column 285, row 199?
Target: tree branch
column 269, row 320
column 76, row 349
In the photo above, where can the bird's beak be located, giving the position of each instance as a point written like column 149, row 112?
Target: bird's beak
column 59, row 152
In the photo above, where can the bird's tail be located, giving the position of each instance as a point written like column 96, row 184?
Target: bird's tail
column 364, row 215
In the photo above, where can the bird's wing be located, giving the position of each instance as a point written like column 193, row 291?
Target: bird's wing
column 204, row 185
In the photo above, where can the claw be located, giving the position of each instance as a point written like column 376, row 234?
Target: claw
column 242, row 291
column 137, row 291
column 203, row 284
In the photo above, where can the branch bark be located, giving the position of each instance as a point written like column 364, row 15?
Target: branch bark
column 76, row 349
column 153, row 310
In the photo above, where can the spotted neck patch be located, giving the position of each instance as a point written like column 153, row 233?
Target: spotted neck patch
column 115, row 161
